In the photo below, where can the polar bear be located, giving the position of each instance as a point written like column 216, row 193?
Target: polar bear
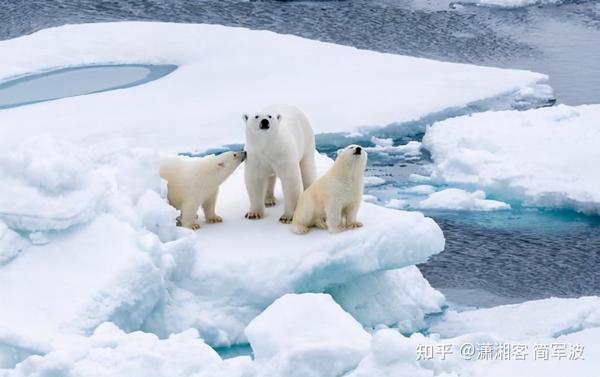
column 280, row 143
column 332, row 202
column 194, row 182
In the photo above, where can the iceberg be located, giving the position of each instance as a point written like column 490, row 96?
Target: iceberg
column 543, row 157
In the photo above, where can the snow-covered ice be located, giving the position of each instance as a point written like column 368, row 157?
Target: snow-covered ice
column 258, row 261
column 198, row 106
column 110, row 352
column 400, row 298
column 461, row 200
column 306, row 335
column 544, row 157
column 528, row 320
column 157, row 277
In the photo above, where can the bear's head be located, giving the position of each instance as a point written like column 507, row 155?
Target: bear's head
column 262, row 123
column 352, row 159
column 226, row 163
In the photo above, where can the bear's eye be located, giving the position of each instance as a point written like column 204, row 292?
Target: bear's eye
column 256, row 117
column 269, row 117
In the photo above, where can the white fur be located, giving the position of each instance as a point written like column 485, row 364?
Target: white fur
column 285, row 150
column 332, row 202
column 194, row 182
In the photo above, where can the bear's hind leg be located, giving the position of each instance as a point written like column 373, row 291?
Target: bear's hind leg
column 270, row 197
column 188, row 215
column 209, row 209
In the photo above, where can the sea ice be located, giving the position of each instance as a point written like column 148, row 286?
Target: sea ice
column 461, row 200
column 544, row 157
column 306, row 335
column 197, row 107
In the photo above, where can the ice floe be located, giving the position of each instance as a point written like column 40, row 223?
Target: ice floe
column 461, row 200
column 129, row 264
column 544, row 157
column 198, row 106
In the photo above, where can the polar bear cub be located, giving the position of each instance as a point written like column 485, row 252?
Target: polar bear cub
column 332, row 202
column 280, row 143
column 194, row 182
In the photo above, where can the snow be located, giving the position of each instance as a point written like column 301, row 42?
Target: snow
column 298, row 335
column 544, row 157
column 111, row 352
column 400, row 298
column 461, row 200
column 11, row 244
column 528, row 320
column 175, row 114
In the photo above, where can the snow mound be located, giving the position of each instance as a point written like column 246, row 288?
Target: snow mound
column 461, row 200
column 528, row 320
column 306, row 335
column 223, row 60
column 111, row 352
column 544, row 157
column 399, row 298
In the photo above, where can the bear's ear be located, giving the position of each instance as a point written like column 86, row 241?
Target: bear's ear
column 245, row 117
column 279, row 117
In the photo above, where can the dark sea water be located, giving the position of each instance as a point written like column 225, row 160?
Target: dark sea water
column 490, row 258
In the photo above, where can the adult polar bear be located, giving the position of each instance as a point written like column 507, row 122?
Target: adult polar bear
column 280, row 143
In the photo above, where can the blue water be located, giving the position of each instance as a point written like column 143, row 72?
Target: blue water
column 74, row 81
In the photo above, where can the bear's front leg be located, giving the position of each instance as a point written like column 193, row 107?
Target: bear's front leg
column 188, row 215
column 209, row 209
column 291, row 182
column 256, row 185
column 333, row 218
column 351, row 213
column 270, row 197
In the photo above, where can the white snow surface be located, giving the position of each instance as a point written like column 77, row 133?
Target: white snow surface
column 224, row 72
column 461, row 200
column 544, row 157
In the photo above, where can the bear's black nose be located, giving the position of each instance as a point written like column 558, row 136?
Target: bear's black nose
column 357, row 150
column 264, row 124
